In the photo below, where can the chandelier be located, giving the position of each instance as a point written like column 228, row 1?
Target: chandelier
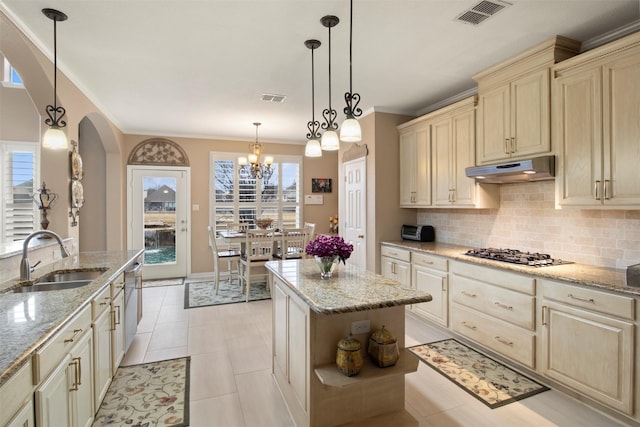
column 250, row 165
column 54, row 137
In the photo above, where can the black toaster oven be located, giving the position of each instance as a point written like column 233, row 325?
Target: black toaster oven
column 420, row 233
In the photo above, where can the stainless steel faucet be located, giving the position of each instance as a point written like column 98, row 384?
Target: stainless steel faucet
column 25, row 266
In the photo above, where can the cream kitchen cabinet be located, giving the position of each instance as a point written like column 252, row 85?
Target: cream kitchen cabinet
column 453, row 149
column 429, row 273
column 514, row 103
column 494, row 308
column 24, row 418
column 101, row 327
column 396, row 264
column 415, row 164
column 587, row 342
column 16, row 395
column 597, row 105
column 65, row 397
column 117, row 330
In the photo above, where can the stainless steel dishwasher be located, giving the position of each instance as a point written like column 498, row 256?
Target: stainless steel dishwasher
column 132, row 301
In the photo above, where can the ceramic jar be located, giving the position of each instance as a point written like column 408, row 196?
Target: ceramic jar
column 383, row 348
column 348, row 357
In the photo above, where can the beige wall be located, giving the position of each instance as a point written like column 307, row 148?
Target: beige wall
column 198, row 152
column 527, row 220
column 19, row 119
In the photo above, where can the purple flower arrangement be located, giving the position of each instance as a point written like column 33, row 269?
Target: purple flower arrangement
column 329, row 246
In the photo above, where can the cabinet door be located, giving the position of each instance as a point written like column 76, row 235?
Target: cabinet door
column 463, row 153
column 280, row 329
column 102, row 356
column 493, row 125
column 298, row 325
column 442, row 154
column 422, row 157
column 590, row 353
column 530, row 115
column 24, row 418
column 434, row 283
column 82, row 404
column 578, row 115
column 621, row 131
column 117, row 331
column 394, row 269
column 407, row 167
column 52, row 397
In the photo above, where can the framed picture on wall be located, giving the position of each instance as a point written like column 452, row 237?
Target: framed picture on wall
column 321, row 185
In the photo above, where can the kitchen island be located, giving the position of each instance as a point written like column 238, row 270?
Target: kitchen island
column 310, row 316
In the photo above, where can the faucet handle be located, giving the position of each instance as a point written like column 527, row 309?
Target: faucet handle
column 33, row 267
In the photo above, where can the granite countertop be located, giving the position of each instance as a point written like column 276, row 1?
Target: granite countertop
column 29, row 319
column 611, row 279
column 350, row 289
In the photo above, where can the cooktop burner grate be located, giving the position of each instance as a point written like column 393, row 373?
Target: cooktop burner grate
column 534, row 259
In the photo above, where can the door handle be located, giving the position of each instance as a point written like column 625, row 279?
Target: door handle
column 360, row 236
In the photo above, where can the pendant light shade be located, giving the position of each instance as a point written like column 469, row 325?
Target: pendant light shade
column 313, row 149
column 350, row 130
column 54, row 137
column 330, row 140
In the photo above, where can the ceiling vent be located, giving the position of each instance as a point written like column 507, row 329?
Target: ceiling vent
column 481, row 11
column 269, row 97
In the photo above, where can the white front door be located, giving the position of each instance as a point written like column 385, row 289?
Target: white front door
column 158, row 219
column 355, row 222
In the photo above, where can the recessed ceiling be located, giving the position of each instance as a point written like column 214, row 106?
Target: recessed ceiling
column 200, row 68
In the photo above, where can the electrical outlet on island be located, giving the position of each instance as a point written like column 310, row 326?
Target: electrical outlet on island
column 361, row 327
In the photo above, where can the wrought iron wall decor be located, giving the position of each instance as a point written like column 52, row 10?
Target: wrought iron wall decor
column 44, row 198
column 77, row 190
column 158, row 151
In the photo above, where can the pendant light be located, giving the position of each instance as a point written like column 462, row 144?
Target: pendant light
column 329, row 141
column 350, row 130
column 54, row 137
column 313, row 148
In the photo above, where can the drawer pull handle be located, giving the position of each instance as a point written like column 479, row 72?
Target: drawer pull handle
column 506, row 307
column 544, row 315
column 76, row 332
column 591, row 300
column 467, row 325
column 104, row 303
column 467, row 294
column 503, row 341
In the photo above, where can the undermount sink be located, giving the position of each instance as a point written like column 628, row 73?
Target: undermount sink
column 65, row 279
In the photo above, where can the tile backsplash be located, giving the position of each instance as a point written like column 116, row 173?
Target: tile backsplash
column 527, row 220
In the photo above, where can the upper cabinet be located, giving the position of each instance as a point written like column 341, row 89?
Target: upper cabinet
column 415, row 165
column 514, row 103
column 596, row 109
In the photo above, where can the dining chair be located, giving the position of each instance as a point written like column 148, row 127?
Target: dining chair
column 258, row 250
column 230, row 256
column 312, row 230
column 293, row 243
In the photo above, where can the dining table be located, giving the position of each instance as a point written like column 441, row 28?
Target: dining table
column 234, row 237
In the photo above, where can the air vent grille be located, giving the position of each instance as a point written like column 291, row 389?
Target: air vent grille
column 481, row 11
column 269, row 97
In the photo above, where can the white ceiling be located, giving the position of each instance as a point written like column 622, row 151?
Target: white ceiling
column 199, row 67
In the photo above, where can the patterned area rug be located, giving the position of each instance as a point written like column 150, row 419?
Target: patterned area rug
column 491, row 382
column 148, row 395
column 163, row 282
column 202, row 294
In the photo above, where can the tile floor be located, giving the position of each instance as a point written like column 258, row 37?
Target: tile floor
column 231, row 382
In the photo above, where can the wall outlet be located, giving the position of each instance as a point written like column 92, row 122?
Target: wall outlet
column 361, row 327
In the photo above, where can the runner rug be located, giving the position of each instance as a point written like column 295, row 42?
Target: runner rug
column 151, row 394
column 202, row 294
column 163, row 282
column 489, row 381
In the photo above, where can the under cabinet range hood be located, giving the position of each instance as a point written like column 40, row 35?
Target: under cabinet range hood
column 536, row 169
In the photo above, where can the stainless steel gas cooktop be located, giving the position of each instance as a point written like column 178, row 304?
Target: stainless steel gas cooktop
column 533, row 259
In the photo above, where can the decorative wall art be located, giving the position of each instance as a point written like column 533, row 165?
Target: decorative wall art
column 321, row 185
column 77, row 191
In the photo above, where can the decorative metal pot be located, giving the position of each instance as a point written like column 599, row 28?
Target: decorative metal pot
column 383, row 348
column 348, row 357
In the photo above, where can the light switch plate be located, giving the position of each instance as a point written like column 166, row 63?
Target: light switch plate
column 361, row 327
column 314, row 199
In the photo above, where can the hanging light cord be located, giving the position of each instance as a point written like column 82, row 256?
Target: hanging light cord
column 352, row 99
column 313, row 125
column 55, row 112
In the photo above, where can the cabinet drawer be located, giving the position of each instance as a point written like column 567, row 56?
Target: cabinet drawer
column 511, row 341
column 117, row 286
column 100, row 303
column 616, row 305
column 495, row 276
column 392, row 252
column 15, row 392
column 54, row 350
column 430, row 261
column 504, row 304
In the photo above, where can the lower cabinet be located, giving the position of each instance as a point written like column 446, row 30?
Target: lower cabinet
column 396, row 265
column 24, row 418
column 429, row 274
column 587, row 344
column 102, row 356
column 16, row 399
column 117, row 330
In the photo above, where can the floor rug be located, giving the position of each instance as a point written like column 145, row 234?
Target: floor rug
column 148, row 395
column 163, row 282
column 202, row 294
column 489, row 381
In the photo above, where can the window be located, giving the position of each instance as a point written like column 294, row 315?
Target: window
column 236, row 197
column 19, row 166
column 11, row 76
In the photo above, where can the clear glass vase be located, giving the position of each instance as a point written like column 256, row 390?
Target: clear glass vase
column 327, row 264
